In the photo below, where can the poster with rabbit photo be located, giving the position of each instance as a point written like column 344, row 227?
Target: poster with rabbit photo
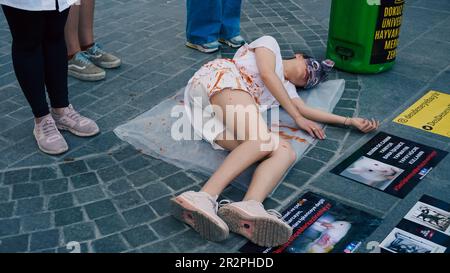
column 322, row 225
column 424, row 229
column 391, row 164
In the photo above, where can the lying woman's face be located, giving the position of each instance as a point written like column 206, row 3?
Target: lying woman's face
column 301, row 74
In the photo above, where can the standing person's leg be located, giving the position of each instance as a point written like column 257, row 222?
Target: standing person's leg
column 204, row 20
column 231, row 23
column 93, row 50
column 71, row 31
column 27, row 30
column 80, row 67
column 54, row 49
column 86, row 24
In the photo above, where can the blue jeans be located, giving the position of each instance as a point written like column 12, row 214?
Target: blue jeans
column 209, row 20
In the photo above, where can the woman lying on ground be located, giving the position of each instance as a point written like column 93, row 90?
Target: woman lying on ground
column 255, row 79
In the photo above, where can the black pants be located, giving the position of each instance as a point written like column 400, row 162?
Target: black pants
column 39, row 56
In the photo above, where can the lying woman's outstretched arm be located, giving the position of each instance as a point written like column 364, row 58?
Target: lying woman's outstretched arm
column 364, row 125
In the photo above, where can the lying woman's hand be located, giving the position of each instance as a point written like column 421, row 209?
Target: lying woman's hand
column 312, row 128
column 365, row 125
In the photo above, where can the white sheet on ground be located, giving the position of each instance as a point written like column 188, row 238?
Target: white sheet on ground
column 151, row 132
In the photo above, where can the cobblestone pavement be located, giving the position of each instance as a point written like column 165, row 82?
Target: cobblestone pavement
column 108, row 196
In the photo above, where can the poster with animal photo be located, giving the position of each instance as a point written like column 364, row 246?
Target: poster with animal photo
column 424, row 229
column 391, row 164
column 322, row 225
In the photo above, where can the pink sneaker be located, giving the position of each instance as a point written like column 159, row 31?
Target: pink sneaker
column 199, row 210
column 251, row 220
column 48, row 138
column 72, row 121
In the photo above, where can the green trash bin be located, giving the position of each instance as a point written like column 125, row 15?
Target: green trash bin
column 363, row 34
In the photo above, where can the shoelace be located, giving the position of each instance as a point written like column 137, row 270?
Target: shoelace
column 83, row 58
column 96, row 49
column 74, row 114
column 49, row 127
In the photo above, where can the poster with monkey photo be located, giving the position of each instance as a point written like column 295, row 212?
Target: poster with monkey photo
column 391, row 164
column 322, row 225
column 424, row 229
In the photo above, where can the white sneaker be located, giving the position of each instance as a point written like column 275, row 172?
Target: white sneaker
column 48, row 138
column 199, row 210
column 251, row 220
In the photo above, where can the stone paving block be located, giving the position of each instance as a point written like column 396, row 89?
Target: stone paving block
column 55, row 186
column 188, row 241
column 124, row 153
column 297, row 178
column 128, row 200
column 35, row 158
column 100, row 162
column 139, row 236
column 99, row 209
column 73, row 168
column 142, row 177
column 36, row 222
column 154, row 191
column 9, row 227
column 25, row 190
column 110, row 244
column 111, row 173
column 159, row 247
column 17, row 176
column 44, row 239
column 6, row 209
column 119, row 187
column 178, row 181
column 68, row 216
column 79, row 232
column 90, row 194
column 14, row 244
column 60, row 201
column 135, row 164
column 84, row 180
column 328, row 144
column 308, row 165
column 320, row 154
column 354, row 191
column 110, row 224
column 29, row 206
column 139, row 215
column 43, row 173
column 335, row 133
column 168, row 226
column 163, row 169
column 161, row 205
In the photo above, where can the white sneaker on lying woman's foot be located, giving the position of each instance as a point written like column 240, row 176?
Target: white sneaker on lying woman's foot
column 199, row 210
column 251, row 220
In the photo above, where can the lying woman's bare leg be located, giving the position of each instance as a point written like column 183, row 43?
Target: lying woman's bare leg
column 245, row 150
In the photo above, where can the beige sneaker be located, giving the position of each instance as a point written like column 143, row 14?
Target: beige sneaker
column 251, row 220
column 48, row 138
column 199, row 210
column 72, row 121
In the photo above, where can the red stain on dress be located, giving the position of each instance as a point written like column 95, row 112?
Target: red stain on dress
column 290, row 137
column 293, row 129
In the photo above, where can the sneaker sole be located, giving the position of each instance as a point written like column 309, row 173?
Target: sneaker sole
column 230, row 44
column 260, row 230
column 77, row 133
column 204, row 225
column 87, row 77
column 202, row 49
column 48, row 151
column 109, row 65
